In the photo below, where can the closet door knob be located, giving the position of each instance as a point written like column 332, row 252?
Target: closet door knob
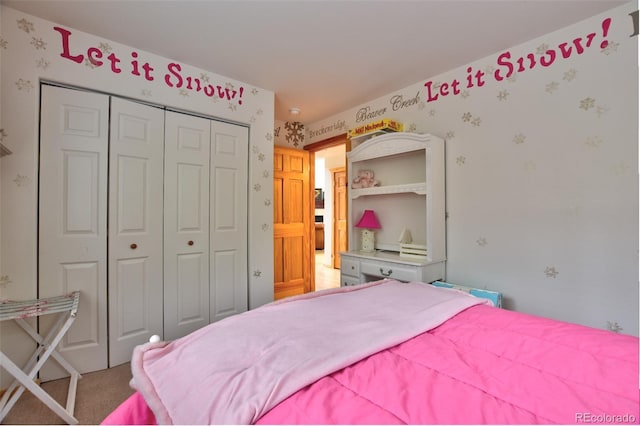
column 133, row 246
column 190, row 242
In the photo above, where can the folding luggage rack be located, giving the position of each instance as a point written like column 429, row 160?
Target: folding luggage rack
column 66, row 306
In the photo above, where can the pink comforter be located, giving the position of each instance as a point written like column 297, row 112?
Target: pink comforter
column 485, row 365
column 236, row 370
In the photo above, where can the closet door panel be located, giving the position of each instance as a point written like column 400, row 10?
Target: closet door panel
column 229, row 181
column 135, row 226
column 72, row 233
column 186, row 254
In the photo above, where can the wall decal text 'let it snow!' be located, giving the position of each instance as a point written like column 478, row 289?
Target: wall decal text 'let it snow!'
column 507, row 67
column 172, row 78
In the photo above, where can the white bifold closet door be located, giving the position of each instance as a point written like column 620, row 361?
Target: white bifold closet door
column 97, row 173
column 205, row 207
column 72, row 239
column 136, row 152
column 145, row 212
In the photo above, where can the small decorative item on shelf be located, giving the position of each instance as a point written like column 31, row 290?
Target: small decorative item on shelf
column 405, row 237
column 416, row 251
column 368, row 222
column 364, row 180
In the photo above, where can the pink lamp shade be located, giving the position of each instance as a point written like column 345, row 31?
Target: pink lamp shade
column 369, row 220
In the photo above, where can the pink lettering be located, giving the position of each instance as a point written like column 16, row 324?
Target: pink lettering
column 65, row 46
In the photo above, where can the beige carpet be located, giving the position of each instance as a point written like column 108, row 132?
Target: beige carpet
column 98, row 394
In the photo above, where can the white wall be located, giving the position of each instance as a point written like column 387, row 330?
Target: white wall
column 542, row 170
column 31, row 50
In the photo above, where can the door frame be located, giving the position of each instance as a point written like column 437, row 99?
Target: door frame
column 337, row 140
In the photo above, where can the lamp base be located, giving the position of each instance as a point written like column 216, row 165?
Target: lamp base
column 368, row 241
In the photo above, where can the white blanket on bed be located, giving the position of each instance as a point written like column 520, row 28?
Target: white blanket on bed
column 235, row 370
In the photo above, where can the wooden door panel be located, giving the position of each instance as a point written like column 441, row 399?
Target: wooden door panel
column 340, row 230
column 292, row 223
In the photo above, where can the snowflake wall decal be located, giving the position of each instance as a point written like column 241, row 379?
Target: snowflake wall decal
column 3, row 43
column 611, row 48
column 146, row 93
column 257, row 273
column 233, row 107
column 257, row 187
column 3, row 134
column 542, row 49
column 432, row 113
column 502, row 95
column 466, row 117
column 265, row 174
column 482, row 241
column 22, row 180
column 519, row 138
column 25, row 85
column 204, row 77
column 587, row 103
column 551, row 272
column 530, row 166
column 184, row 93
column 295, row 132
column 551, row 87
column 465, row 94
column 461, row 160
column 261, row 157
column 105, row 47
column 412, row 127
column 593, row 142
column 42, row 63
column 89, row 63
column 38, row 43
column 614, row 326
column 450, row 135
column 4, row 280
column 25, row 25
column 268, row 137
column 476, row 122
column 267, row 202
column 265, row 227
column 254, row 91
column 570, row 75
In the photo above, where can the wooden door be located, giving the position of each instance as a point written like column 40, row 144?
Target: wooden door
column 72, row 233
column 292, row 223
column 186, row 224
column 136, row 152
column 340, row 228
column 228, row 220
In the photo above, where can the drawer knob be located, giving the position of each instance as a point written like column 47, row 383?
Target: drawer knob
column 133, row 246
column 389, row 272
column 190, row 242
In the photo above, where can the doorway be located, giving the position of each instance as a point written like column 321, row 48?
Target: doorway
column 329, row 213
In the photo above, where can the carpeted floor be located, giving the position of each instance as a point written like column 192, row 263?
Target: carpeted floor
column 98, row 394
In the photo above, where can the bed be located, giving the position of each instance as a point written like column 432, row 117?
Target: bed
column 400, row 353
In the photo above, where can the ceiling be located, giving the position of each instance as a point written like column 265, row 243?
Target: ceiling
column 323, row 57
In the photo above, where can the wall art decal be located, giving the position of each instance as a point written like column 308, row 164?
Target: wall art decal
column 3, row 43
column 482, row 241
column 519, row 138
column 593, row 142
column 42, row 63
column 570, row 75
column 295, row 132
column 268, row 137
column 172, row 77
column 265, row 174
column 551, row 272
column 530, row 166
column 337, row 125
column 265, row 227
column 3, row 135
column 257, row 187
column 25, row 25
column 450, row 135
column 587, row 103
column 21, row 180
column 620, row 168
column 4, row 280
column 507, row 65
column 25, row 85
column 267, row 202
column 468, row 118
column 146, row 93
column 460, row 160
column 38, row 43
column 614, row 326
column 502, row 95
column 551, row 87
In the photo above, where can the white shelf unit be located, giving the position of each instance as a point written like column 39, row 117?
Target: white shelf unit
column 411, row 195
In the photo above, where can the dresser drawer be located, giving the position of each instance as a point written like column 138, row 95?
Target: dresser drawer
column 349, row 267
column 389, row 270
column 346, row 281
